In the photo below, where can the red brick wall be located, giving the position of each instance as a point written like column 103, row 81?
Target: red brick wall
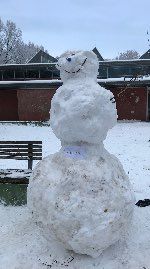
column 34, row 104
column 131, row 103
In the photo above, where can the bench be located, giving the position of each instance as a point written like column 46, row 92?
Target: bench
column 19, row 150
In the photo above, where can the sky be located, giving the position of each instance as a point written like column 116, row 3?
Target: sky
column 113, row 26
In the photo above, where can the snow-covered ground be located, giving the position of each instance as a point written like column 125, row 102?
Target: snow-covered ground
column 21, row 243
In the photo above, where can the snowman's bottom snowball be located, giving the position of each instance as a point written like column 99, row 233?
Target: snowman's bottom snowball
column 85, row 204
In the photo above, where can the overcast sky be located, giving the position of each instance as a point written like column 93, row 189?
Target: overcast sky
column 110, row 25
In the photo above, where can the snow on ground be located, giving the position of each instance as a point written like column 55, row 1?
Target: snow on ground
column 21, row 243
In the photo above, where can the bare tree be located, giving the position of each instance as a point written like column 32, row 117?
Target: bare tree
column 24, row 52
column 12, row 37
column 30, row 50
column 12, row 47
column 1, row 40
column 128, row 55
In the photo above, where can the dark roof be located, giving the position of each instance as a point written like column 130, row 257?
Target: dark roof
column 107, row 69
column 28, row 66
column 146, row 55
column 133, row 62
column 99, row 56
column 42, row 57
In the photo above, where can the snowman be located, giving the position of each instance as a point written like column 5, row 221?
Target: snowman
column 81, row 196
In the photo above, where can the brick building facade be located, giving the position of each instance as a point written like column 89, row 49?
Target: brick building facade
column 26, row 90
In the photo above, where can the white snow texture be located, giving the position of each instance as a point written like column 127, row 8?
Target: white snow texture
column 81, row 195
column 81, row 110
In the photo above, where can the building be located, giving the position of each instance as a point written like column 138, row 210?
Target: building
column 130, row 83
column 99, row 56
column 26, row 90
column 42, row 57
column 146, row 55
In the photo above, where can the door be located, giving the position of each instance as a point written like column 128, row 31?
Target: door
column 8, row 105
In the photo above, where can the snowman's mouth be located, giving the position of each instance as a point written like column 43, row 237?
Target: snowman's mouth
column 74, row 72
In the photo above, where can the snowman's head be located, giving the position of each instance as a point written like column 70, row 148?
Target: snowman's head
column 78, row 64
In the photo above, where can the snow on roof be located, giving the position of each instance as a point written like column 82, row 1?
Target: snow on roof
column 52, row 81
column 125, row 79
column 58, row 81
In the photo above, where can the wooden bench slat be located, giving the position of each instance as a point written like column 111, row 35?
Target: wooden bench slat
column 20, row 154
column 20, row 158
column 21, row 142
column 26, row 145
column 20, row 150
column 20, row 146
